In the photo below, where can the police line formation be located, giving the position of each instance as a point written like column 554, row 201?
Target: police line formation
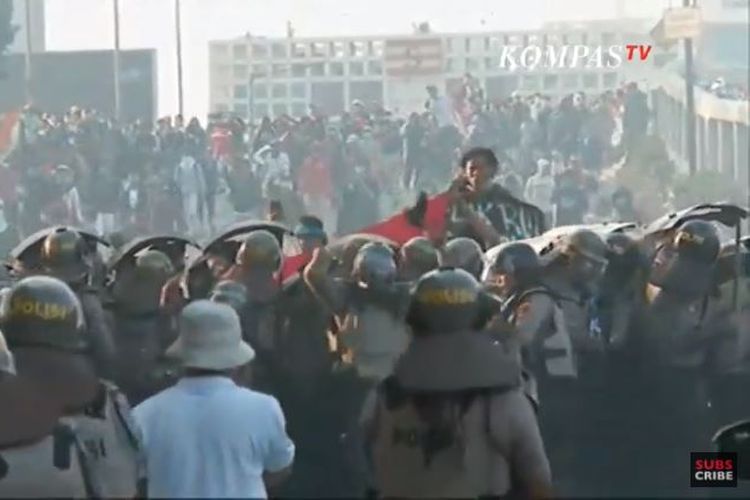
column 586, row 361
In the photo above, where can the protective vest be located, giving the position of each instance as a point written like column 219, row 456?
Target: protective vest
column 57, row 466
column 110, row 438
column 460, row 459
column 375, row 337
column 554, row 353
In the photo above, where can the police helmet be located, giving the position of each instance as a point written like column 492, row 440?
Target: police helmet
column 443, row 301
column 685, row 263
column 311, row 228
column 64, row 255
column 259, row 250
column 466, row 254
column 697, row 240
column 586, row 255
column 517, row 260
column 417, row 256
column 374, row 265
column 42, row 311
column 231, row 293
column 153, row 265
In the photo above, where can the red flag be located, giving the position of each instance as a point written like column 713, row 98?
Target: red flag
column 397, row 228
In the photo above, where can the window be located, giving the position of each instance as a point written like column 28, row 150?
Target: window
column 240, row 109
column 239, row 51
column 467, row 45
column 471, row 64
column 377, row 48
column 450, row 64
column 259, row 111
column 317, row 69
column 608, row 38
column 299, row 70
column 221, row 108
column 299, row 50
column 299, row 90
column 570, row 81
column 338, row 49
column 529, row 82
column 318, row 49
column 590, row 80
column 299, row 109
column 356, row 68
column 279, row 70
column 375, row 68
column 278, row 50
column 336, row 69
column 279, row 91
column 279, row 109
column 259, row 70
column 260, row 51
column 449, row 45
column 610, row 80
column 357, row 49
column 240, row 71
column 240, row 91
column 487, row 44
column 260, row 91
column 491, row 63
column 550, row 82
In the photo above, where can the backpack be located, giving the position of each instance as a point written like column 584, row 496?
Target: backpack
column 110, row 437
column 56, row 466
column 413, row 459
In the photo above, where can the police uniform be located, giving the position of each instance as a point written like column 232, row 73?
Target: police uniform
column 65, row 256
column 142, row 331
column 452, row 421
column 43, row 323
column 677, row 335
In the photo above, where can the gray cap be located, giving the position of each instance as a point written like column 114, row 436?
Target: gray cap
column 210, row 338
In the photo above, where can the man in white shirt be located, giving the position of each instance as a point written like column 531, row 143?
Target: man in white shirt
column 441, row 108
column 192, row 185
column 206, row 437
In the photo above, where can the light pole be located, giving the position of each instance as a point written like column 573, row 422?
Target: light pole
column 690, row 99
column 178, row 34
column 116, row 59
column 28, row 72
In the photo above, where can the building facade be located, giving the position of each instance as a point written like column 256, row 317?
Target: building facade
column 256, row 76
column 36, row 11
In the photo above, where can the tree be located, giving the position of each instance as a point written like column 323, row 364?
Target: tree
column 7, row 29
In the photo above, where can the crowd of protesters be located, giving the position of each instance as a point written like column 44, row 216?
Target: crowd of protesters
column 86, row 170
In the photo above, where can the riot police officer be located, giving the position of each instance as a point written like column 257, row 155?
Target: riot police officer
column 142, row 330
column 417, row 257
column 677, row 334
column 65, row 255
column 452, row 421
column 369, row 307
column 464, row 253
column 40, row 456
column 43, row 323
column 563, row 349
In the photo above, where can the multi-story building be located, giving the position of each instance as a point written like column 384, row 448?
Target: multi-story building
column 258, row 76
column 36, row 24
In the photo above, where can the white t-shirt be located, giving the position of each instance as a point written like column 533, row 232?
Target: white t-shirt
column 206, row 437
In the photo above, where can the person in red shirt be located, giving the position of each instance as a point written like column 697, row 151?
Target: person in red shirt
column 315, row 184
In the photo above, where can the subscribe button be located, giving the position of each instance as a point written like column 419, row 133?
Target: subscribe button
column 713, row 470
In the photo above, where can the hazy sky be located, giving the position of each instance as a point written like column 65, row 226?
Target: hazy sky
column 87, row 24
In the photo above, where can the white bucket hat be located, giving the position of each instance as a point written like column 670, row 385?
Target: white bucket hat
column 210, row 338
